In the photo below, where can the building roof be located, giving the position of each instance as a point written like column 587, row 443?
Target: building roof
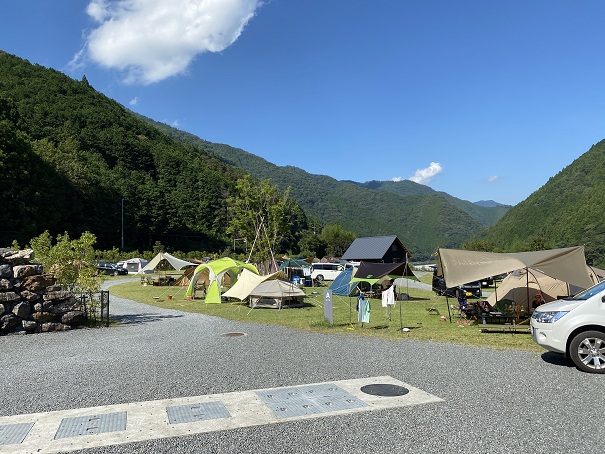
column 371, row 248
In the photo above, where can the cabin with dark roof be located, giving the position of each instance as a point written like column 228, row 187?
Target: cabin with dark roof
column 378, row 249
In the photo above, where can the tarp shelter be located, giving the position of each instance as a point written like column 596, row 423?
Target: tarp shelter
column 342, row 285
column 277, row 294
column 247, row 282
column 164, row 259
column 134, row 265
column 212, row 274
column 566, row 264
column 376, row 272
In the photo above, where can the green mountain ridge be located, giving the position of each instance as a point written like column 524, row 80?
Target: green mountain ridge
column 565, row 212
column 422, row 218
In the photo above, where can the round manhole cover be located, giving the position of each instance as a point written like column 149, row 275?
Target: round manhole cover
column 384, row 390
column 233, row 334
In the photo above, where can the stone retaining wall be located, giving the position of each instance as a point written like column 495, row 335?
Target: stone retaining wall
column 30, row 302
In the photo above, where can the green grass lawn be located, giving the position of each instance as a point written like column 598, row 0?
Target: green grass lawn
column 422, row 314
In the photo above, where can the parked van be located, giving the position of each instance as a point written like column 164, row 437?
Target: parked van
column 326, row 271
column 575, row 327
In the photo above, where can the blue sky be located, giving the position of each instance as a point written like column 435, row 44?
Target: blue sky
column 480, row 99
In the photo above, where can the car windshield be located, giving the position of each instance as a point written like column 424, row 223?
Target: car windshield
column 590, row 291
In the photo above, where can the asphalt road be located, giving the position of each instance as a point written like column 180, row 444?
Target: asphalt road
column 493, row 401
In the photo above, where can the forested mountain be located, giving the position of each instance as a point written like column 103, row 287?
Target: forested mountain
column 70, row 158
column 421, row 217
column 566, row 211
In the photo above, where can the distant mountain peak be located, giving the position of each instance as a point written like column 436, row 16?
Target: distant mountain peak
column 489, row 203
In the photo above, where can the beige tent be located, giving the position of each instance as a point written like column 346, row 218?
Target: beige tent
column 277, row 294
column 567, row 264
column 164, row 258
column 247, row 282
column 518, row 284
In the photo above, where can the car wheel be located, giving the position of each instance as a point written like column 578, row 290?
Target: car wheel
column 319, row 278
column 115, row 273
column 587, row 351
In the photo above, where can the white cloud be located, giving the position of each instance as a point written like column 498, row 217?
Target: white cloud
column 424, row 176
column 492, row 179
column 151, row 40
column 134, row 101
column 396, row 179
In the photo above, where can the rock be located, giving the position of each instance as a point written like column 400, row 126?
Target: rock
column 19, row 257
column 9, row 297
column 22, row 309
column 37, row 283
column 5, row 285
column 42, row 317
column 29, row 296
column 74, row 318
column 48, row 327
column 6, row 270
column 58, row 295
column 65, row 306
column 21, row 271
column 9, row 322
column 29, row 325
column 2, row 309
column 44, row 306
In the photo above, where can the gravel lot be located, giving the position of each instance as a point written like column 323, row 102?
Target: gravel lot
column 494, row 401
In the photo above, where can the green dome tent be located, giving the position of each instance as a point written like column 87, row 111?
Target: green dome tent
column 213, row 273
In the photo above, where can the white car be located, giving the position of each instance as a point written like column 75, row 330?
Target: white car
column 574, row 327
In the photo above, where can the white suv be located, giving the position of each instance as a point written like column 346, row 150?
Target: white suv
column 574, row 327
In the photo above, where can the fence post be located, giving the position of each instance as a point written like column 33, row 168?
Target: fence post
column 105, row 308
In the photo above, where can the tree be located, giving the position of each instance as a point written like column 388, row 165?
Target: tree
column 260, row 215
column 71, row 262
column 337, row 239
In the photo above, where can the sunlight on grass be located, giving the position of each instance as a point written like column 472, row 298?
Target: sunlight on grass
column 422, row 315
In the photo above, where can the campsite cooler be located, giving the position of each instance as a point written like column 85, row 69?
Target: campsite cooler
column 308, row 281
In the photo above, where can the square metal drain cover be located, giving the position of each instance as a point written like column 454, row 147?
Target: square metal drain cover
column 11, row 434
column 309, row 400
column 95, row 424
column 196, row 412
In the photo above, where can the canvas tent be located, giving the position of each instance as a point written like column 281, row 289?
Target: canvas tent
column 566, row 264
column 164, row 258
column 276, row 293
column 247, row 282
column 211, row 275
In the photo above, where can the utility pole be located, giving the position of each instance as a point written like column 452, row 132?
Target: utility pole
column 122, row 224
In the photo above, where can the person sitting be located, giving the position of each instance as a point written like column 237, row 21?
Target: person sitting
column 461, row 296
column 538, row 300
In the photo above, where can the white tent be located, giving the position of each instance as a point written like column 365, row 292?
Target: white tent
column 176, row 263
column 276, row 294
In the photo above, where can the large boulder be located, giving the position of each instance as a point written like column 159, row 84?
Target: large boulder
column 29, row 325
column 2, row 309
column 44, row 306
column 37, row 283
column 22, row 309
column 29, row 296
column 5, row 285
column 9, row 322
column 21, row 271
column 47, row 327
column 56, row 296
column 22, row 257
column 74, row 318
column 9, row 297
column 42, row 317
column 6, row 270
